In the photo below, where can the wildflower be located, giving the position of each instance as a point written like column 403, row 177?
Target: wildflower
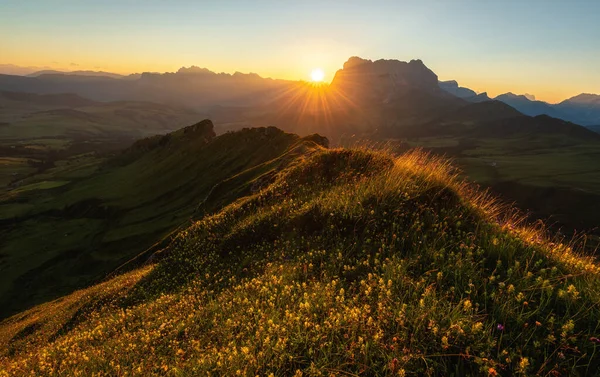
column 520, row 297
column 595, row 340
column 523, row 364
column 477, row 327
column 500, row 327
column 467, row 305
column 567, row 328
column 492, row 372
column 572, row 291
column 445, row 342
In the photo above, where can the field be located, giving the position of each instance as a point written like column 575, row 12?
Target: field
column 13, row 167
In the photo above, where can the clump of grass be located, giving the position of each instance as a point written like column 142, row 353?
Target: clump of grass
column 352, row 262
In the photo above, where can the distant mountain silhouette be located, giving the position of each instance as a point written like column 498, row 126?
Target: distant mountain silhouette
column 13, row 69
column 364, row 94
column 467, row 94
column 191, row 86
column 527, row 106
column 363, row 81
column 585, row 98
column 452, row 87
column 583, row 109
column 76, row 73
column 381, row 80
column 481, row 97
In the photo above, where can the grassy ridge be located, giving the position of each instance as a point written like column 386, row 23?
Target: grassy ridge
column 65, row 238
column 351, row 262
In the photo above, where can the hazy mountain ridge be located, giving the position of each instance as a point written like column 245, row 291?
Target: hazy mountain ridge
column 76, row 73
column 583, row 109
column 467, row 94
column 201, row 87
column 527, row 106
column 198, row 87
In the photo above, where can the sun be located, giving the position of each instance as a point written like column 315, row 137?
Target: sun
column 317, row 75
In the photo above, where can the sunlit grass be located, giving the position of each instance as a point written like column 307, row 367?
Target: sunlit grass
column 352, row 262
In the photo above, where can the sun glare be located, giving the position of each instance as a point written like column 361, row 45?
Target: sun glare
column 317, row 75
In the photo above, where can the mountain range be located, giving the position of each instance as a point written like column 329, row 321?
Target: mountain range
column 200, row 87
column 197, row 87
column 583, row 109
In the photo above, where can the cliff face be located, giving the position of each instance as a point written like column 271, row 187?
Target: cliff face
column 381, row 79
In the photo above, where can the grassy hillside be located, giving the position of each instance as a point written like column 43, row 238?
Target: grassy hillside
column 546, row 166
column 351, row 262
column 59, row 235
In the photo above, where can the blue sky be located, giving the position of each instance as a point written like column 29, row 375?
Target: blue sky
column 547, row 48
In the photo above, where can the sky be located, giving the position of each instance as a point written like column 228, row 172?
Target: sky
column 548, row 48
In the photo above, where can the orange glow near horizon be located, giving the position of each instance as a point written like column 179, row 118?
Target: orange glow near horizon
column 317, row 105
column 549, row 91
